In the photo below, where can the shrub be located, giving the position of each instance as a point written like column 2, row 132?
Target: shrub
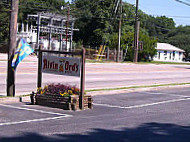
column 59, row 89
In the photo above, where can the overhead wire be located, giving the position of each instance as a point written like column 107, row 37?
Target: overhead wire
column 188, row 0
column 180, row 1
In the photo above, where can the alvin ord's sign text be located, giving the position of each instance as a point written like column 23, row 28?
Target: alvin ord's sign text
column 61, row 65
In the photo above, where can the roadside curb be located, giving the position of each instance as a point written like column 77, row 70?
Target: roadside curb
column 5, row 100
column 122, row 91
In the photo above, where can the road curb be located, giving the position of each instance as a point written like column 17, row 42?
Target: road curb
column 122, row 91
column 5, row 100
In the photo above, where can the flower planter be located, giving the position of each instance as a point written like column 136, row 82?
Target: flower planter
column 66, row 103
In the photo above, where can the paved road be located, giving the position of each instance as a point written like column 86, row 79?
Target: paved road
column 148, row 116
column 108, row 75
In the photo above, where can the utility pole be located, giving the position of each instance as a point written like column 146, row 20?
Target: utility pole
column 119, row 33
column 12, row 47
column 136, row 34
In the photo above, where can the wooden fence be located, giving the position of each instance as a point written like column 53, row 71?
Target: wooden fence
column 107, row 55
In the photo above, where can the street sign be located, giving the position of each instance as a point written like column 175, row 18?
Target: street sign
column 61, row 65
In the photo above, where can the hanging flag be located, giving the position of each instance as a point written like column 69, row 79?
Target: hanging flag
column 23, row 50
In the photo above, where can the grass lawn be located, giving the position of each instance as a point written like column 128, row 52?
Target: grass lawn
column 177, row 63
column 152, row 62
column 133, row 87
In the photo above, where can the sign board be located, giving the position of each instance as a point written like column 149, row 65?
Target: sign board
column 61, row 65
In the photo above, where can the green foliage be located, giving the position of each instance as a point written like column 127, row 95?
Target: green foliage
column 159, row 26
column 180, row 37
column 33, row 6
column 181, row 41
column 148, row 51
column 93, row 17
column 95, row 27
column 4, row 25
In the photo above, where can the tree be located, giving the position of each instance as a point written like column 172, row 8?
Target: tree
column 93, row 20
column 180, row 38
column 4, row 25
column 33, row 6
column 148, row 51
column 149, row 44
column 159, row 27
column 181, row 41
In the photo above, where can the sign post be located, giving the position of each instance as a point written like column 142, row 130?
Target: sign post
column 82, row 88
column 39, row 67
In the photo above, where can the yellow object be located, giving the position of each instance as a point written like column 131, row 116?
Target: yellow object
column 100, row 52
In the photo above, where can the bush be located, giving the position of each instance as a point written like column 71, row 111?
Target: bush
column 59, row 89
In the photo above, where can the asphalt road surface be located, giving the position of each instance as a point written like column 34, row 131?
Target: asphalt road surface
column 147, row 116
column 108, row 75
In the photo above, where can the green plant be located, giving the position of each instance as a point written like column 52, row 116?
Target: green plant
column 60, row 89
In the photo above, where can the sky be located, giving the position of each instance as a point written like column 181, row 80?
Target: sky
column 170, row 8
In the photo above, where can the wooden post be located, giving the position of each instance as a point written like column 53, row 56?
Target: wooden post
column 108, row 53
column 119, row 33
column 38, row 29
column 61, row 40
column 136, row 47
column 136, row 34
column 71, row 39
column 122, row 55
column 12, row 46
column 67, row 24
column 50, row 34
column 39, row 67
column 81, row 97
column 115, row 54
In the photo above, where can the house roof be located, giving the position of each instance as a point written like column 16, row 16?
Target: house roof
column 168, row 47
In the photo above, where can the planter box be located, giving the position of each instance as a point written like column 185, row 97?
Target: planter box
column 66, row 103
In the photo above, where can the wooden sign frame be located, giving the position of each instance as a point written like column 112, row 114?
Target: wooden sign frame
column 82, row 74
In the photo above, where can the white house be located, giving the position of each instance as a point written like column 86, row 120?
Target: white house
column 168, row 52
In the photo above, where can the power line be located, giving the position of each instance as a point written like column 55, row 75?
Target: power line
column 188, row 0
column 186, row 3
column 174, row 16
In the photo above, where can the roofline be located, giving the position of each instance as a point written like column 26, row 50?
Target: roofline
column 170, row 50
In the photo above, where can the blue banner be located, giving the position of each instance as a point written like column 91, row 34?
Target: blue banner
column 23, row 50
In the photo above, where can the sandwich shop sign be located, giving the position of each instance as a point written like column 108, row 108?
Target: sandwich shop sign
column 61, row 65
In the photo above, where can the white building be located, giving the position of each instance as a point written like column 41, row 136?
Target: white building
column 30, row 35
column 168, row 52
column 26, row 32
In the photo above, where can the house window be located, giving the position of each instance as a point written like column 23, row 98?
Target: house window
column 165, row 55
column 173, row 55
column 158, row 55
column 179, row 55
column 170, row 55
